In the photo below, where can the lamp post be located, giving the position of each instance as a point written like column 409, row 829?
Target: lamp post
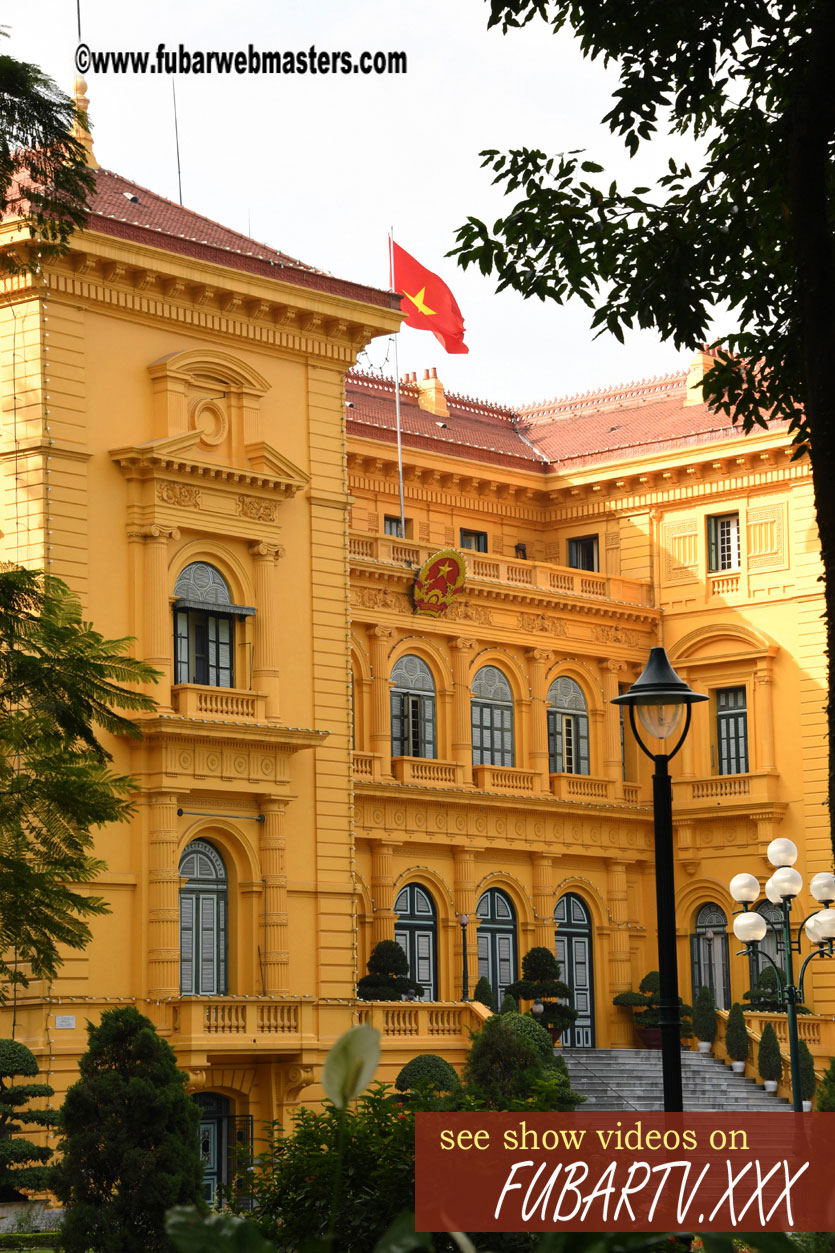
column 750, row 927
column 662, row 699
column 465, row 992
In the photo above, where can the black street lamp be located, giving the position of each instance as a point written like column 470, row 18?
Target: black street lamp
column 465, row 994
column 662, row 699
column 750, row 927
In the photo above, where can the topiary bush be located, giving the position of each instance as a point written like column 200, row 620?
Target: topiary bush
column 527, row 1026
column 484, row 993
column 509, row 1005
column 647, row 1000
column 825, row 1103
column 704, row 1016
column 769, row 1061
column 388, row 975
column 427, row 1069
column 807, row 1071
column 765, row 995
column 22, row 1163
column 541, row 979
column 737, row 1042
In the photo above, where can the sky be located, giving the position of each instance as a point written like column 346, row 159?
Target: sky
column 320, row 167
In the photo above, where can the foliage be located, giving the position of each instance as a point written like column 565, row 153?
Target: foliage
column 825, row 1099
column 130, row 1146
column 427, row 1069
column 191, row 1231
column 527, row 1026
column 59, row 681
column 509, row 1004
column 541, row 980
column 350, row 1064
column 507, row 1068
column 388, row 974
column 22, row 1163
column 484, row 993
column 43, row 169
column 748, row 229
column 737, row 1042
column 704, row 1016
column 646, row 1002
column 765, row 995
column 769, row 1061
column 807, row 1071
column 35, row 1240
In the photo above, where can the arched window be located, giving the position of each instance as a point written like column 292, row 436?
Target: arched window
column 416, row 931
column 497, row 941
column 492, row 718
column 412, row 709
column 709, row 954
column 771, row 943
column 203, row 921
column 204, row 627
column 573, row 942
column 568, row 728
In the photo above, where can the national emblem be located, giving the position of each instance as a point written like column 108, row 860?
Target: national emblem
column 440, row 578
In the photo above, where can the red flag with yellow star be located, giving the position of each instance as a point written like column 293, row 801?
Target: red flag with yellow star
column 427, row 300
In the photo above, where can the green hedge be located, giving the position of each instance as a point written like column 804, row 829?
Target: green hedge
column 29, row 1240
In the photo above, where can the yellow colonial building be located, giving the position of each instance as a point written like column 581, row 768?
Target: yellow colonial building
column 187, row 444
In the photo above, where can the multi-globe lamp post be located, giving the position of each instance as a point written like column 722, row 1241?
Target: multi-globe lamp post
column 751, row 928
column 662, row 700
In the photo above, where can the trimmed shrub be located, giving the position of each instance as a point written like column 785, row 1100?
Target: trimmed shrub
column 484, row 993
column 527, row 1026
column 509, row 1005
column 541, row 979
column 426, row 1069
column 737, row 1042
column 502, row 1064
column 22, row 1163
column 646, row 1002
column 807, row 1071
column 704, row 1016
column 769, row 1061
column 388, row 974
column 825, row 1103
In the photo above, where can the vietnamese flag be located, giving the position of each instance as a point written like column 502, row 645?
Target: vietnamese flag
column 427, row 300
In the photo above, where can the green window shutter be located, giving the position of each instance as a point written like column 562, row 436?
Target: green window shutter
column 581, row 724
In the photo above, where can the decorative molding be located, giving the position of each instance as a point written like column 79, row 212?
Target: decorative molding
column 260, row 510
column 544, row 622
column 182, row 494
column 615, row 635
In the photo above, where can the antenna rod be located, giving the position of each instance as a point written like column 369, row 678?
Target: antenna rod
column 177, row 140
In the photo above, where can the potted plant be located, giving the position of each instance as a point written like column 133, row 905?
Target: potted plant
column 769, row 1061
column 807, row 1076
column 388, row 975
column 541, row 982
column 737, row 1042
column 704, row 1020
column 645, row 1004
column 484, row 994
column 825, row 1104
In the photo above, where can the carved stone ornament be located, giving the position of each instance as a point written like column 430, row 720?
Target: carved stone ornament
column 258, row 510
column 439, row 579
column 616, row 635
column 379, row 598
column 542, row 622
column 181, row 494
column 466, row 611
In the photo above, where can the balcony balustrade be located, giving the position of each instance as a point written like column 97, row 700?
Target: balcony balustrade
column 229, row 704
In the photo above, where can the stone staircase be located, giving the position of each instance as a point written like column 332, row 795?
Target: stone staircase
column 630, row 1079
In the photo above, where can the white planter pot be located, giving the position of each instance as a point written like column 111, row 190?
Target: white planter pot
column 807, row 1107
column 738, row 1068
column 704, row 1046
column 770, row 1085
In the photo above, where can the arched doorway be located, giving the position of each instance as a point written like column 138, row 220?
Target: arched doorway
column 497, row 961
column 709, row 954
column 416, row 931
column 224, row 1138
column 203, row 921
column 573, row 944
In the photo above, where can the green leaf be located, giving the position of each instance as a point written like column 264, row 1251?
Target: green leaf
column 401, row 1237
column 190, row 1232
column 591, row 167
column 350, row 1065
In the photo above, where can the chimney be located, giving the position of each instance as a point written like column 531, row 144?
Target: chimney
column 432, row 397
column 699, row 366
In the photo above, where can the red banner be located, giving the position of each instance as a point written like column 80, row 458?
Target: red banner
column 619, row 1172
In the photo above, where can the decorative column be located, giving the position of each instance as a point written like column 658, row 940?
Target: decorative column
column 620, row 962
column 612, row 759
column 275, row 956
column 380, row 738
column 763, row 718
column 163, row 898
column 465, row 903
column 382, row 891
column 265, row 662
column 462, row 734
column 538, row 662
column 158, row 625
column 543, row 900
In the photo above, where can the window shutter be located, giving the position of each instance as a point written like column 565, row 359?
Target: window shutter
column 475, row 723
column 695, row 965
column 423, row 961
column 397, row 725
column 558, row 761
column 427, row 707
column 581, row 723
column 186, row 945
column 402, row 938
column 712, row 545
column 222, row 984
column 208, row 942
column 507, row 737
column 181, row 647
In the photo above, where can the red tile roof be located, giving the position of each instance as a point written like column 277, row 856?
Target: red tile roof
column 127, row 210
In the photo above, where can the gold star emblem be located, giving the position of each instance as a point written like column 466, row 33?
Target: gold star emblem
column 419, row 304
column 444, row 570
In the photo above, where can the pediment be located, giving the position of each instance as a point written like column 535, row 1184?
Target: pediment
column 267, row 469
column 262, row 456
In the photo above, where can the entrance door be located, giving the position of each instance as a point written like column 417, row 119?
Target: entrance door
column 497, row 942
column 415, row 931
column 573, row 942
column 225, row 1141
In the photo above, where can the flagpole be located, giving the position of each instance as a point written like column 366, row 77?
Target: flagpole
column 397, row 398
